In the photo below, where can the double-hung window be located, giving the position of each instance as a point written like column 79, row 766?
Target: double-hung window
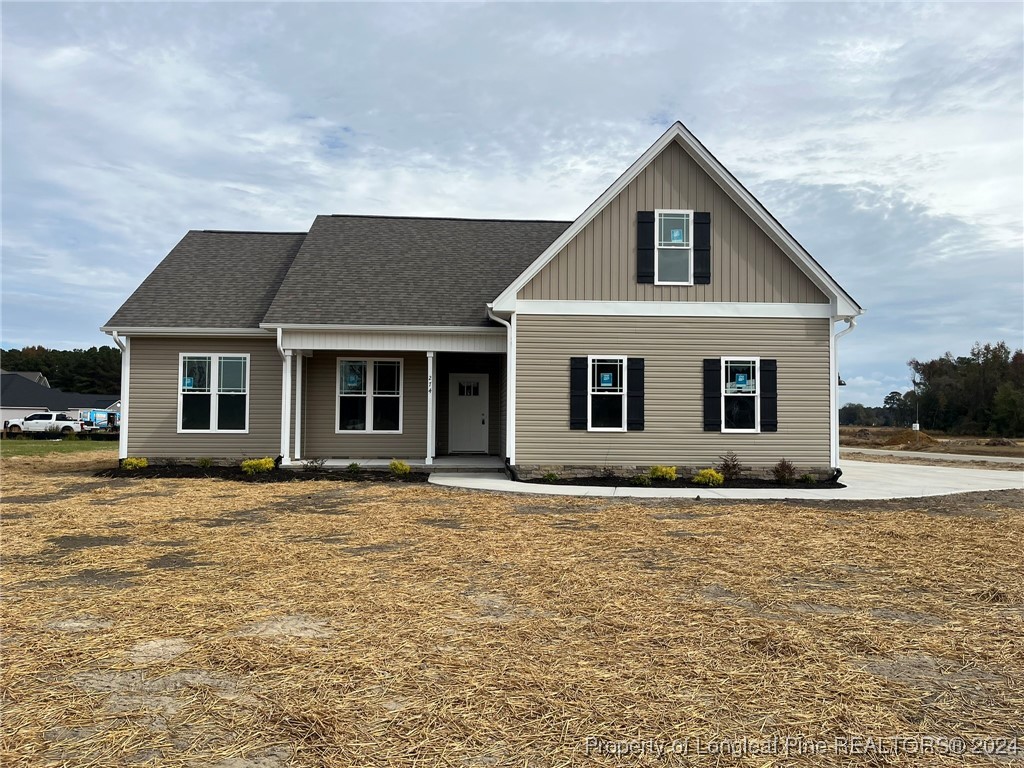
column 741, row 405
column 369, row 396
column 213, row 393
column 606, row 409
column 673, row 259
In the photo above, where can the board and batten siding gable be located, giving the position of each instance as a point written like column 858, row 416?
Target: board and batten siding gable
column 153, row 398
column 599, row 263
column 673, row 349
column 320, row 410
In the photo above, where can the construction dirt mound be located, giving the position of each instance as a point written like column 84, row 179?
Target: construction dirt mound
column 910, row 438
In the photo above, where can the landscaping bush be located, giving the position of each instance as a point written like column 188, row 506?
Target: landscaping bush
column 784, row 472
column 644, row 480
column 730, row 466
column 398, row 468
column 808, row 478
column 134, row 462
column 550, row 477
column 257, row 466
column 659, row 472
column 353, row 467
column 204, row 463
column 709, row 477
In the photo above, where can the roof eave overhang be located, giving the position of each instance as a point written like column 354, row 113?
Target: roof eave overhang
column 843, row 304
column 173, row 331
column 453, row 329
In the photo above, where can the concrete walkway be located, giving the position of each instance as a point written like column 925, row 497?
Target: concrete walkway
column 935, row 456
column 864, row 480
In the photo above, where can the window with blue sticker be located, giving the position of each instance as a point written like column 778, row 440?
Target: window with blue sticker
column 673, row 262
column 607, row 393
column 740, row 401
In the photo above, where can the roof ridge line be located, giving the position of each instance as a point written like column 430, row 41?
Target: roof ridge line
column 437, row 218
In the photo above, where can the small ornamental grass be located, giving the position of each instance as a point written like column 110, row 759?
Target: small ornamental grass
column 204, row 463
column 399, row 468
column 659, row 472
column 134, row 462
column 730, row 466
column 709, row 477
column 550, row 477
column 784, row 472
column 257, row 466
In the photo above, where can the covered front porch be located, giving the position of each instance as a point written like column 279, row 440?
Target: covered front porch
column 368, row 398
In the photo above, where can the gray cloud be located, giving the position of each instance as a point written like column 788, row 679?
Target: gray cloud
column 886, row 137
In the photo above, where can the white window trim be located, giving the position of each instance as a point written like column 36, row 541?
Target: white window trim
column 214, row 384
column 658, row 213
column 369, row 395
column 756, row 395
column 590, row 392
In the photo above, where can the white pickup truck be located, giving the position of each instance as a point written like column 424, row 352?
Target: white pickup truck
column 59, row 423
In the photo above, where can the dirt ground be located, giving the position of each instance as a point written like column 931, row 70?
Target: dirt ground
column 900, row 439
column 216, row 623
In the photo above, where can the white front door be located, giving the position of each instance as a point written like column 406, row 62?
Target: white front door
column 467, row 413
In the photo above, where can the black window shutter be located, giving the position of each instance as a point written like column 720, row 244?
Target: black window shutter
column 712, row 394
column 645, row 246
column 769, row 396
column 701, row 248
column 635, row 394
column 577, row 393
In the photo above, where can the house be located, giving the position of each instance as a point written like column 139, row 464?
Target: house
column 21, row 395
column 33, row 376
column 674, row 320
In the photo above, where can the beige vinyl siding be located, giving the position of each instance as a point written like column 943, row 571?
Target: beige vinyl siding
column 318, row 434
column 673, row 350
column 154, row 380
column 600, row 262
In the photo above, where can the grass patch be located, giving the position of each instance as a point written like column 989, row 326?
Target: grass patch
column 34, row 447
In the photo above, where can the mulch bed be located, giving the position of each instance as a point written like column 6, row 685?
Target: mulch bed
column 616, row 481
column 189, row 471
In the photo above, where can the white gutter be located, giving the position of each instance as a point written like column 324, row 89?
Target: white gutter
column 851, row 323
column 126, row 361
column 510, row 383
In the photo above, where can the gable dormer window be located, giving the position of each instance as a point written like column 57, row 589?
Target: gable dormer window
column 673, row 261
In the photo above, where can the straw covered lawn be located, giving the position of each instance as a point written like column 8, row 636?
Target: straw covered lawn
column 214, row 623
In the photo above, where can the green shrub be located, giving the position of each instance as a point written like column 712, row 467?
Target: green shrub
column 69, row 436
column 353, row 467
column 398, row 468
column 550, row 477
column 730, row 466
column 808, row 478
column 134, row 462
column 204, row 463
column 257, row 466
column 784, row 472
column 643, row 480
column 659, row 472
column 709, row 477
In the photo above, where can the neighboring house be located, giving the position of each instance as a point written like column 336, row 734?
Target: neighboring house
column 20, row 396
column 34, row 376
column 673, row 321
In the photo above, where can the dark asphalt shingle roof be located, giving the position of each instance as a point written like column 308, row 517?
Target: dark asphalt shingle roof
column 382, row 270
column 18, row 392
column 212, row 280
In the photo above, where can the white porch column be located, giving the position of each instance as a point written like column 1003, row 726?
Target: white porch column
column 126, row 364
column 431, row 409
column 286, row 406
column 299, row 360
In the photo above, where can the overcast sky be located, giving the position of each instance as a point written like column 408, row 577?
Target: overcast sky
column 889, row 139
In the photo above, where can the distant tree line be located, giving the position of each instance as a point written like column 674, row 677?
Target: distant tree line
column 978, row 394
column 96, row 370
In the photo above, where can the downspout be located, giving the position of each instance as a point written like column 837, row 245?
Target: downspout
column 510, row 391
column 851, row 323
column 122, row 434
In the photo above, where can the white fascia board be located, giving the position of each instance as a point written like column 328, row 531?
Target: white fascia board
column 673, row 309
column 457, row 329
column 845, row 305
column 124, row 331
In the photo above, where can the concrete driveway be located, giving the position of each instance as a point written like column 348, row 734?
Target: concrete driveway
column 863, row 480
